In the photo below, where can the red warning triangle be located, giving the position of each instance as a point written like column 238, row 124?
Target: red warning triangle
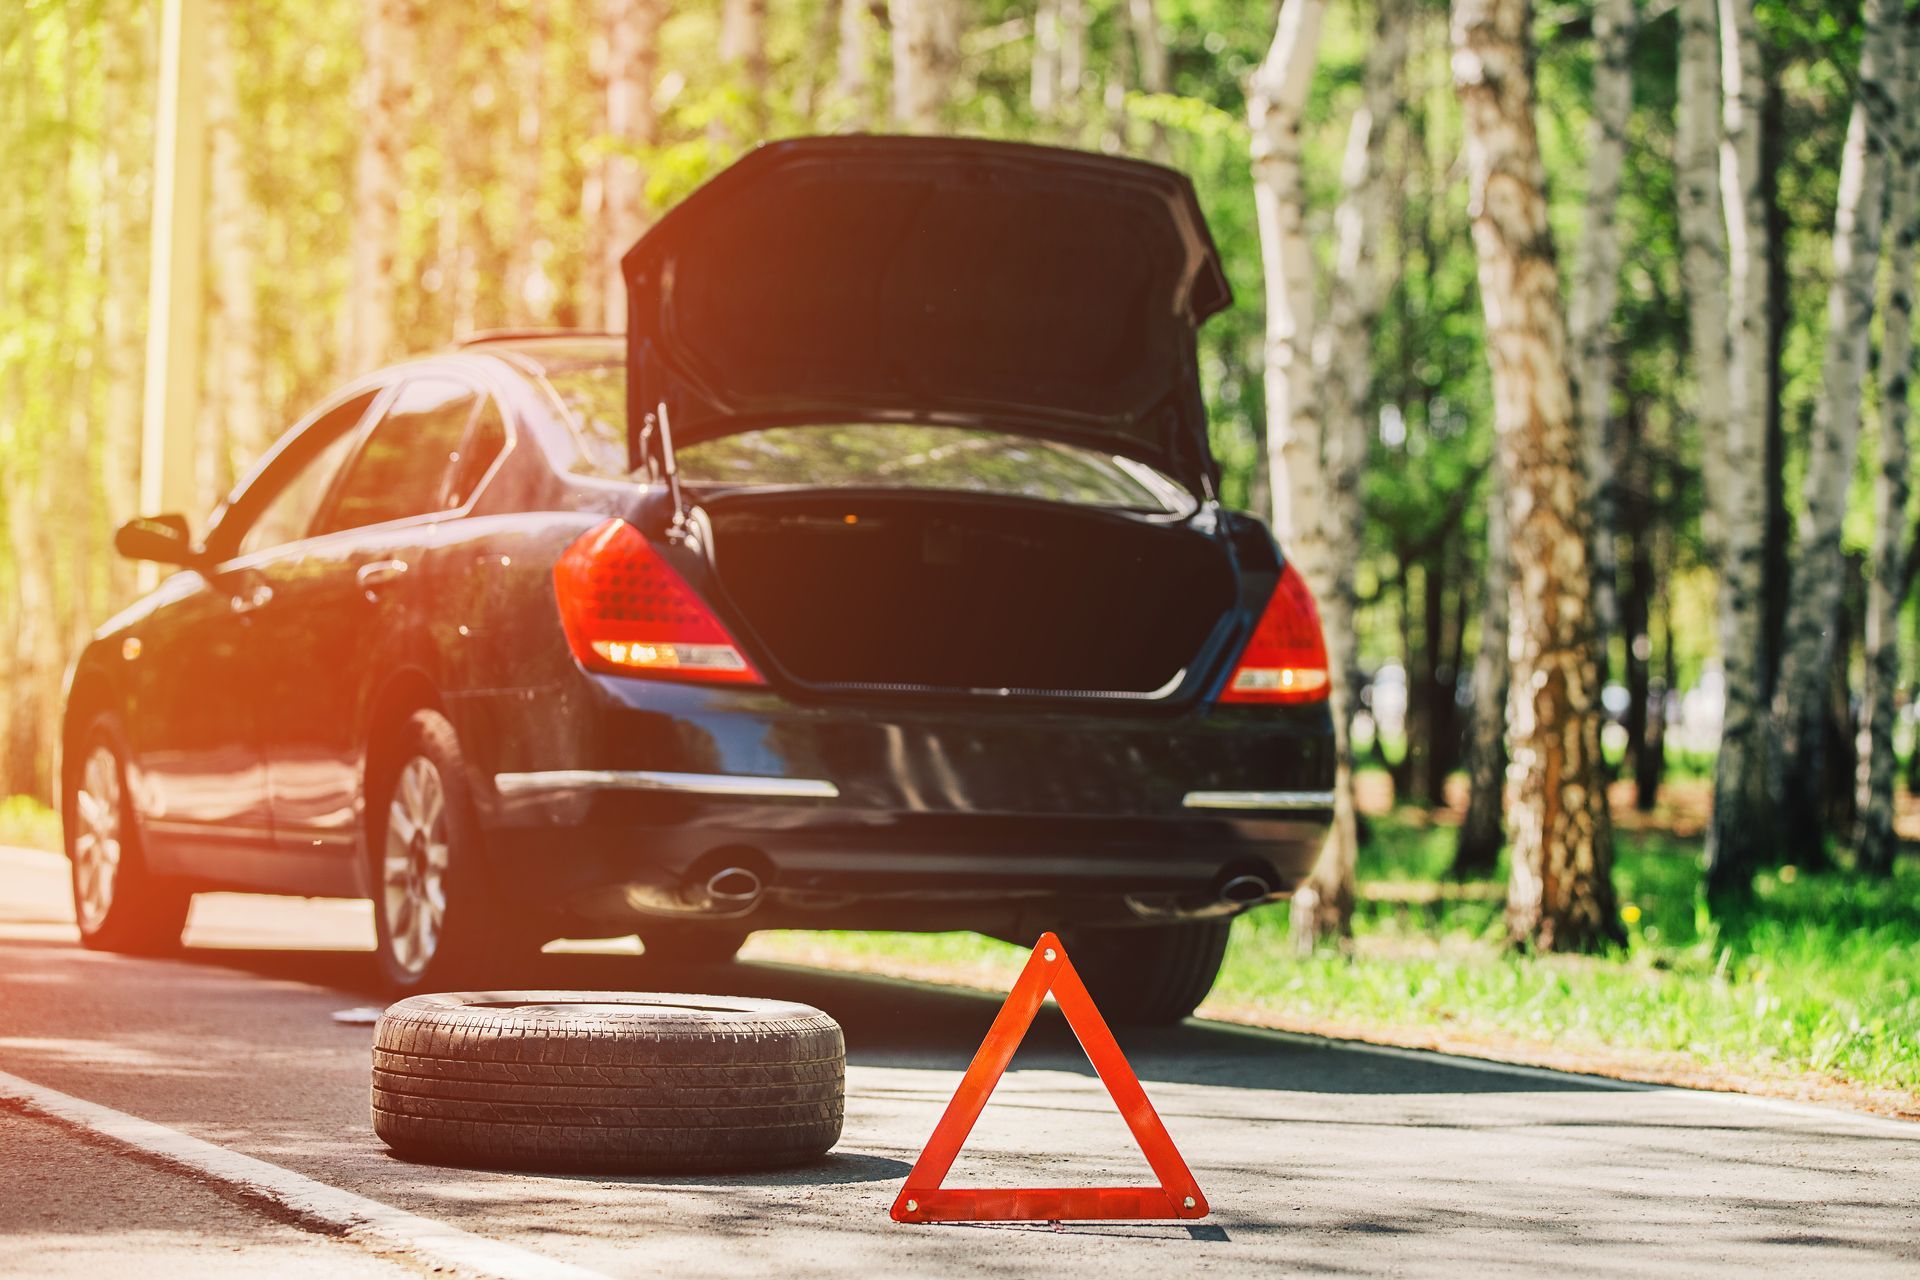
column 923, row 1199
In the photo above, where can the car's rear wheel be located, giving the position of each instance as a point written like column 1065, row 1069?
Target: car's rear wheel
column 674, row 942
column 436, row 921
column 117, row 903
column 1149, row 975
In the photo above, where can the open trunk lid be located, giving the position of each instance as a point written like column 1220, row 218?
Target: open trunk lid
column 1029, row 289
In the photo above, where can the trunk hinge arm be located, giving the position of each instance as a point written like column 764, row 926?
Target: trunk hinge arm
column 660, row 428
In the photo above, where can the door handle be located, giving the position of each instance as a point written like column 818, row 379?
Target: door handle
column 252, row 598
column 379, row 573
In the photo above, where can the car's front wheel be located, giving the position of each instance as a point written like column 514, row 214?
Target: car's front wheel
column 1149, row 974
column 436, row 922
column 117, row 903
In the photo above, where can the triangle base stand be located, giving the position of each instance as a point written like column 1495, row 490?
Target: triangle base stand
column 923, row 1199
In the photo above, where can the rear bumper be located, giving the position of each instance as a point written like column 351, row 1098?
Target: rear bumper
column 857, row 815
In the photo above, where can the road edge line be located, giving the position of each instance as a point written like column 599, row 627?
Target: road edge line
column 359, row 1219
column 1497, row 1066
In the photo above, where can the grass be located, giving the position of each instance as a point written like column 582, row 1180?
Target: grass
column 29, row 824
column 1818, row 980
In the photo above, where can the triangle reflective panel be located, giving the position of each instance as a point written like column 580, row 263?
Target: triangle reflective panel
column 923, row 1199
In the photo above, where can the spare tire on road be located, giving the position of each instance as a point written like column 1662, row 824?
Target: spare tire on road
column 607, row 1081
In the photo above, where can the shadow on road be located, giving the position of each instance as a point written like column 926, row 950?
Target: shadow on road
column 896, row 1023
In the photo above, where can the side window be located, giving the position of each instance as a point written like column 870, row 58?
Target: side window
column 402, row 468
column 293, row 490
column 485, row 439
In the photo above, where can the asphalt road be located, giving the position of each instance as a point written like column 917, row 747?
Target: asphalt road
column 1318, row 1157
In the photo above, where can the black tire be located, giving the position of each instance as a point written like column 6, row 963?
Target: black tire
column 476, row 939
column 117, row 903
column 674, row 942
column 607, row 1082
column 1149, row 975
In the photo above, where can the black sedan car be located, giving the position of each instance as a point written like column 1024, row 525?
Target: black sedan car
column 874, row 579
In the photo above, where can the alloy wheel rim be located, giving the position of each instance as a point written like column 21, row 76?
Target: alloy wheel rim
column 96, row 841
column 414, row 866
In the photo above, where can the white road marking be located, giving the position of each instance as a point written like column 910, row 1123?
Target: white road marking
column 379, row 1226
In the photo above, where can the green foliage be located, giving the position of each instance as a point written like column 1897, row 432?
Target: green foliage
column 28, row 824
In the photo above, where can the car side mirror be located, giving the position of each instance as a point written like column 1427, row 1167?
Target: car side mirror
column 163, row 539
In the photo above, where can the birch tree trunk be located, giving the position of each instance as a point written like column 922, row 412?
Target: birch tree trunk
column 1812, row 604
column 382, row 97
column 1072, row 103
column 529, row 294
column 1276, row 103
column 1343, row 375
column 633, row 58
column 1874, row 841
column 1596, row 288
column 926, row 62
column 236, row 397
column 1155, row 76
column 125, row 82
column 1483, row 830
column 1043, row 73
column 1741, row 834
column 1560, row 896
column 853, row 67
column 743, row 52
column 33, row 710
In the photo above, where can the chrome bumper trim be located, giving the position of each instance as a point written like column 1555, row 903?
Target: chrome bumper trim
column 744, row 786
column 1290, row 801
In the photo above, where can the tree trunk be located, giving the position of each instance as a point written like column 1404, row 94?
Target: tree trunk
column 1634, row 515
column 382, row 96
column 1072, row 101
column 633, row 57
column 128, row 149
column 1420, row 785
column 33, row 693
column 1652, row 766
column 926, row 62
column 743, row 54
column 1813, row 604
column 1296, row 449
column 529, row 290
column 1839, row 749
column 1483, row 831
column 1596, row 288
column 1774, row 566
column 1155, row 77
column 1874, row 839
column 1343, row 360
column 1043, row 71
column 1741, row 832
column 1560, row 895
column 235, row 382
column 853, row 67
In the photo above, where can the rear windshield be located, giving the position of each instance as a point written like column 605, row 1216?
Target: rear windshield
column 887, row 455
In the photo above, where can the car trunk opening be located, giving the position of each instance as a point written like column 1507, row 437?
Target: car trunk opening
column 971, row 594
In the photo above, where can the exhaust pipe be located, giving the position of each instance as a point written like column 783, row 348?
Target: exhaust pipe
column 1243, row 890
column 730, row 891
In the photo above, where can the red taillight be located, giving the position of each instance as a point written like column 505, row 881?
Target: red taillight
column 1285, row 659
column 626, row 611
